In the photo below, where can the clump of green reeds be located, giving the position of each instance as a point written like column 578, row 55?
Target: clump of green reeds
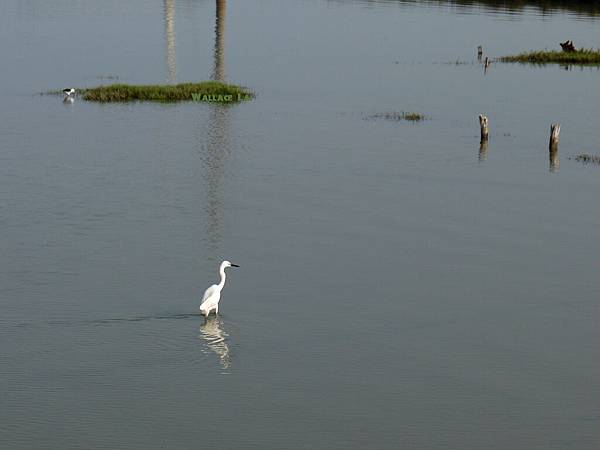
column 398, row 116
column 581, row 56
column 207, row 91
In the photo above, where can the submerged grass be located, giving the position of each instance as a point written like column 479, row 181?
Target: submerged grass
column 398, row 116
column 582, row 56
column 207, row 91
column 587, row 158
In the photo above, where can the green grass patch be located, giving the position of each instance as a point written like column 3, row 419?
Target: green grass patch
column 398, row 116
column 582, row 56
column 205, row 91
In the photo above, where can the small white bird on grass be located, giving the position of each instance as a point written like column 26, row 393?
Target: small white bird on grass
column 212, row 295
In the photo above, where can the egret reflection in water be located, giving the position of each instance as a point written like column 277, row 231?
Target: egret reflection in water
column 211, row 332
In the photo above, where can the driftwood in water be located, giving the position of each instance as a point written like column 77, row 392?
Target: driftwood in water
column 483, row 125
column 567, row 46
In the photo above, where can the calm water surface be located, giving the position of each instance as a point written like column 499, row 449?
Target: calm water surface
column 398, row 289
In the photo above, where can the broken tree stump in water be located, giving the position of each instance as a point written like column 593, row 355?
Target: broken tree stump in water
column 554, row 135
column 553, row 146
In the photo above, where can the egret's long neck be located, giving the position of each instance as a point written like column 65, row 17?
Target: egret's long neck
column 223, row 276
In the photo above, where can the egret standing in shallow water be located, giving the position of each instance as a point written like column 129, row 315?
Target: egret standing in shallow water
column 212, row 295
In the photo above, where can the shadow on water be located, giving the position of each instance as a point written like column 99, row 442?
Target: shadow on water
column 212, row 333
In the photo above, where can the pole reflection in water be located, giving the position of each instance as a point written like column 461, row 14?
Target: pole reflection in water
column 212, row 333
column 483, row 148
column 169, row 7
column 215, row 145
column 219, row 67
column 554, row 162
column 215, row 150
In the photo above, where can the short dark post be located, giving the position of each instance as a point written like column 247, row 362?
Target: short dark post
column 479, row 52
column 483, row 125
column 486, row 64
column 553, row 146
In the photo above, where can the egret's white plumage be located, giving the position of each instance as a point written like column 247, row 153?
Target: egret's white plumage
column 210, row 300
column 68, row 91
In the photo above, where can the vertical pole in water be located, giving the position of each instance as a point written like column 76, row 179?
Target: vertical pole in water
column 479, row 52
column 553, row 146
column 483, row 125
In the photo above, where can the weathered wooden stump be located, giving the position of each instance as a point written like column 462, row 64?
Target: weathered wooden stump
column 483, row 126
column 554, row 135
column 479, row 52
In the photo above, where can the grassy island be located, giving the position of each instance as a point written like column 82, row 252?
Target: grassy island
column 581, row 56
column 205, row 91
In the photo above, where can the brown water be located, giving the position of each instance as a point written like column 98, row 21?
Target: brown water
column 398, row 288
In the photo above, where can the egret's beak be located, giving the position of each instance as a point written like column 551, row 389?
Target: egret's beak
column 234, row 265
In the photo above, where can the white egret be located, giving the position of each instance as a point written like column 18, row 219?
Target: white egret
column 68, row 92
column 212, row 295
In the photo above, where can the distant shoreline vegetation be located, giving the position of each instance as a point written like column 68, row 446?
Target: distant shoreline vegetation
column 205, row 91
column 581, row 57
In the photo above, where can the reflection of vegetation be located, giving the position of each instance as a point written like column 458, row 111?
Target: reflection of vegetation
column 586, row 158
column 582, row 56
column 587, row 7
column 590, row 7
column 398, row 116
column 165, row 93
